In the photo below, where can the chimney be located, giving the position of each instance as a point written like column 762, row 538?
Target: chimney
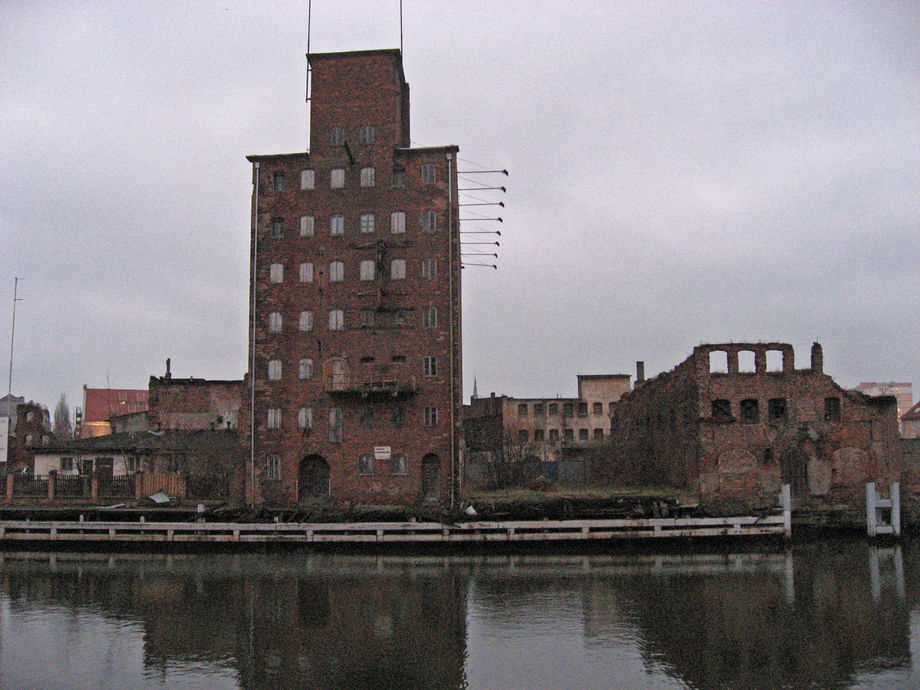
column 817, row 357
column 640, row 372
column 168, row 373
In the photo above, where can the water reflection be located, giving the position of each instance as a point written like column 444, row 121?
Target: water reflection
column 828, row 614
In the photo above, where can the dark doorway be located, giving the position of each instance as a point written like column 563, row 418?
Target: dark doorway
column 313, row 479
column 431, row 478
column 793, row 467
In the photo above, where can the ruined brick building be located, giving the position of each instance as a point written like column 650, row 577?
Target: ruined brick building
column 729, row 423
column 355, row 311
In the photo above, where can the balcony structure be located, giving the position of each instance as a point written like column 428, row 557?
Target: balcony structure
column 367, row 379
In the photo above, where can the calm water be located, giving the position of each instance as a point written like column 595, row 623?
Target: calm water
column 830, row 614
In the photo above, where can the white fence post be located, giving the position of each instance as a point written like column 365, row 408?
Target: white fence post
column 896, row 508
column 871, row 510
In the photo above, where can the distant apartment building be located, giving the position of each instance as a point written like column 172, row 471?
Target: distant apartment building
column 734, row 421
column 355, row 311
column 537, row 432
column 100, row 405
column 910, row 423
column 902, row 392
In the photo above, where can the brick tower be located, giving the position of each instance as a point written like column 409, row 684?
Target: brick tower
column 355, row 302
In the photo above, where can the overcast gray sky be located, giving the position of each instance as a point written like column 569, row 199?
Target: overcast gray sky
column 681, row 173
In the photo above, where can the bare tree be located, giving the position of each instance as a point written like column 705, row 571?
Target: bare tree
column 62, row 426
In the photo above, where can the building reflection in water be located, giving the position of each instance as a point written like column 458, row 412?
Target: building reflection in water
column 821, row 614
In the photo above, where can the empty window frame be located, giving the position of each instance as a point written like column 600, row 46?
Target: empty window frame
column 429, row 173
column 366, row 464
column 538, row 435
column 430, row 416
column 367, row 222
column 307, row 179
column 430, row 317
column 430, row 366
column 399, row 177
column 774, row 360
column 538, row 409
column 336, row 271
column 598, row 434
column 398, row 269
column 336, row 226
column 832, row 409
column 429, row 220
column 582, row 434
column 367, row 269
column 278, row 181
column 366, row 418
column 367, row 177
column 276, row 273
column 336, row 425
column 274, row 369
column 399, row 464
column 522, row 409
column 336, row 320
column 747, row 361
column 776, row 409
column 305, row 418
column 306, row 272
column 277, row 227
column 523, row 436
column 430, row 268
column 305, row 321
column 569, row 435
column 582, row 409
column 567, row 409
column 274, row 322
column 273, row 419
column 307, row 226
column 554, row 434
column 597, row 408
column 398, row 317
column 750, row 411
column 272, row 467
column 336, row 136
column 337, row 178
column 367, row 318
column 305, row 369
column 554, row 409
column 718, row 362
column 722, row 409
column 398, row 416
column 398, row 222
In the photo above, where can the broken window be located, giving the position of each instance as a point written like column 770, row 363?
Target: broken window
column 399, row 317
column 336, row 136
column 277, row 227
column 774, row 360
column 538, row 409
column 582, row 434
column 569, row 435
column 366, row 464
column 522, row 410
column 307, row 179
column 367, row 177
column 399, row 177
column 750, row 411
column 776, row 409
column 722, row 410
column 273, row 467
column 399, row 464
column 746, row 361
column 336, row 425
column 832, row 409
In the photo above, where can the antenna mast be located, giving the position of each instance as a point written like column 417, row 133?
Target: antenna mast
column 9, row 388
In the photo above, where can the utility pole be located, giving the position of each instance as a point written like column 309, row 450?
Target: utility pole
column 9, row 387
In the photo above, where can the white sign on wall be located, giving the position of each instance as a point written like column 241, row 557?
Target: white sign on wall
column 4, row 437
column 381, row 452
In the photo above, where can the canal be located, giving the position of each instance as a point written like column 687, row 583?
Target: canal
column 831, row 614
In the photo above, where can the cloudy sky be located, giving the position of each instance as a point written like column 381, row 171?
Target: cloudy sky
column 680, row 173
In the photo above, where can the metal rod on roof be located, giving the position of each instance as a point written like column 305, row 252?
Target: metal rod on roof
column 486, row 203
column 478, row 189
column 474, row 219
column 486, row 265
column 470, row 243
column 478, row 254
column 480, row 232
column 482, row 172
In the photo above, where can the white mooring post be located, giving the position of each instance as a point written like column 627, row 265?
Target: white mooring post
column 876, row 525
column 785, row 499
column 871, row 510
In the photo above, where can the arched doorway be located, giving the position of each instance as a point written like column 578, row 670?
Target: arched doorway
column 431, row 478
column 313, row 479
column 793, row 468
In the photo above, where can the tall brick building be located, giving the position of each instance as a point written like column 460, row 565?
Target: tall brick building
column 355, row 311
